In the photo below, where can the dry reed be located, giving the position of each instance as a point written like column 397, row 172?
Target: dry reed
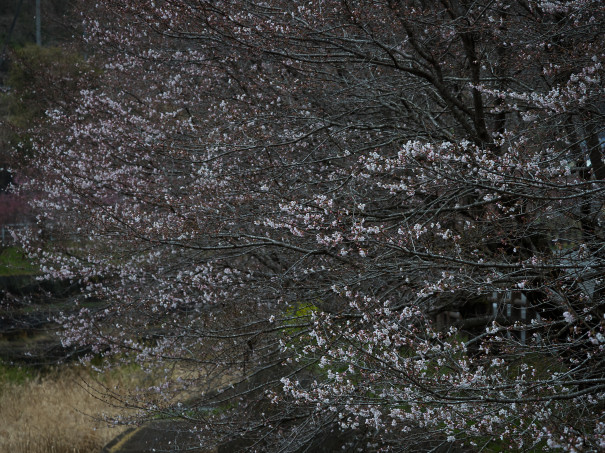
column 56, row 413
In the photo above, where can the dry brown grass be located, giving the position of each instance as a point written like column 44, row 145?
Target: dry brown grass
column 57, row 413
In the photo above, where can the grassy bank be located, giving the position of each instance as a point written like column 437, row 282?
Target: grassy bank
column 14, row 262
column 56, row 412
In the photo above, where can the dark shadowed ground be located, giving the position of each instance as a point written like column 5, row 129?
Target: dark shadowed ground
column 158, row 436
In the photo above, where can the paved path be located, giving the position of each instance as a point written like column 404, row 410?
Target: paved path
column 158, row 436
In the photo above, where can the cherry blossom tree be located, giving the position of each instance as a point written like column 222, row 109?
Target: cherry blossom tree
column 378, row 223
